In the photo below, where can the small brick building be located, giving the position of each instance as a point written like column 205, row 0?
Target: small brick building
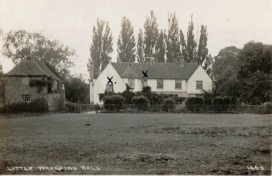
column 32, row 79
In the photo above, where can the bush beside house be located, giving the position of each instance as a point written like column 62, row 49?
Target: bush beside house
column 194, row 104
column 141, row 102
column 168, row 105
column 114, row 103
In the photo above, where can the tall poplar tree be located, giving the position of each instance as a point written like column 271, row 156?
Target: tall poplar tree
column 183, row 47
column 140, row 47
column 202, row 52
column 101, row 46
column 173, row 41
column 126, row 42
column 191, row 43
column 150, row 35
column 161, row 47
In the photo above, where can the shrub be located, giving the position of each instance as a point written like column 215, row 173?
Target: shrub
column 96, row 107
column 146, row 90
column 267, row 108
column 38, row 105
column 70, row 107
column 168, row 104
column 140, row 102
column 221, row 103
column 113, row 102
column 194, row 104
column 128, row 95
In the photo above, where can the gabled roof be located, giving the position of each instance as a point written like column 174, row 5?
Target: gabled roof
column 32, row 67
column 158, row 70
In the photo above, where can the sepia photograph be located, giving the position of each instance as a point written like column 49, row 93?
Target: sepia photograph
column 135, row 87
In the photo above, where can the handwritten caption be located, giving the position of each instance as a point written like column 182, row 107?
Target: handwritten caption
column 55, row 168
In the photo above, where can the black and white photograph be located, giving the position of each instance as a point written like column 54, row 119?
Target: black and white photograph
column 135, row 87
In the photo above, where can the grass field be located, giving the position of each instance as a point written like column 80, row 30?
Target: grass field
column 135, row 144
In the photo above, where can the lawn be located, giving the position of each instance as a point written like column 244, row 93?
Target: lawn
column 135, row 144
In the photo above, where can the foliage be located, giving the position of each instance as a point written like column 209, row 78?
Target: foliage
column 146, row 90
column 194, row 103
column 267, row 108
column 38, row 105
column 150, row 35
column 1, row 71
column 225, row 72
column 183, row 46
column 168, row 104
column 114, row 102
column 202, row 52
column 191, row 43
column 255, row 73
column 173, row 41
column 160, row 47
column 20, row 44
column 96, row 107
column 76, row 90
column 140, row 47
column 128, row 95
column 41, row 83
column 101, row 47
column 208, row 96
column 221, row 103
column 140, row 102
column 126, row 42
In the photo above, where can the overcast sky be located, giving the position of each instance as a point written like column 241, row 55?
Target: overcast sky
column 229, row 22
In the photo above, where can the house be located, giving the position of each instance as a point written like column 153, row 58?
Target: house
column 183, row 79
column 32, row 79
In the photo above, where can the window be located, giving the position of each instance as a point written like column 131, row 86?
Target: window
column 131, row 83
column 26, row 98
column 178, row 84
column 160, row 84
column 199, row 85
column 144, row 83
column 109, row 87
column 25, row 81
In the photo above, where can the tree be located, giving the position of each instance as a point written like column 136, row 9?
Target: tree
column 150, row 35
column 140, row 47
column 160, row 47
column 101, row 46
column 1, row 71
column 191, row 43
column 202, row 52
column 76, row 90
column 208, row 63
column 173, row 41
column 254, row 73
column 225, row 72
column 20, row 44
column 183, row 46
column 126, row 42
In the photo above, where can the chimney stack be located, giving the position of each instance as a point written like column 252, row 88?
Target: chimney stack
column 181, row 61
column 150, row 60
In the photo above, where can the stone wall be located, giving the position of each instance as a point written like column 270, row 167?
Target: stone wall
column 15, row 88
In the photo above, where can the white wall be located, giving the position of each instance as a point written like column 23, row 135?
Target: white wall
column 101, row 82
column 199, row 75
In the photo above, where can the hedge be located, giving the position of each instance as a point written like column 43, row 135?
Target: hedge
column 221, row 103
column 141, row 102
column 38, row 106
column 168, row 104
column 194, row 104
column 114, row 102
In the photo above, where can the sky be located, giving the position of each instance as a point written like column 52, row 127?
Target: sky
column 229, row 22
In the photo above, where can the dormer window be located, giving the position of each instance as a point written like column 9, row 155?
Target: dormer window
column 131, row 83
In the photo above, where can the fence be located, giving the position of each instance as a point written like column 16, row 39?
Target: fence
column 251, row 109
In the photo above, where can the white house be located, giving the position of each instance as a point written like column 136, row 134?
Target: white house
column 184, row 79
